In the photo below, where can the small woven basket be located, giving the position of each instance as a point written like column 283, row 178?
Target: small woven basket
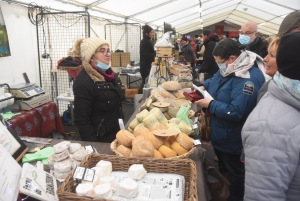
column 114, row 145
column 184, row 167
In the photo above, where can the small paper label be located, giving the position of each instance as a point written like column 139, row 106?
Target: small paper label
column 79, row 172
column 89, row 175
column 89, row 148
column 197, row 142
column 194, row 126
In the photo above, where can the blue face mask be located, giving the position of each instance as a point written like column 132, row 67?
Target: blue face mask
column 103, row 67
column 222, row 66
column 244, row 40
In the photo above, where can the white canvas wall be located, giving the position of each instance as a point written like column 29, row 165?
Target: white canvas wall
column 23, row 46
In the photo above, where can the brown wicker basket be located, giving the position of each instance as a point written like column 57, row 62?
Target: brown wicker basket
column 114, row 144
column 184, row 167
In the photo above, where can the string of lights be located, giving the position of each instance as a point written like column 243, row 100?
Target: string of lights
column 200, row 11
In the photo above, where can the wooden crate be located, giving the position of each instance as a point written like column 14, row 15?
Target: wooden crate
column 164, row 52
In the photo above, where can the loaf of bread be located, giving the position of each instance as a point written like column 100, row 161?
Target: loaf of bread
column 125, row 151
column 185, row 141
column 178, row 148
column 125, row 138
column 167, row 152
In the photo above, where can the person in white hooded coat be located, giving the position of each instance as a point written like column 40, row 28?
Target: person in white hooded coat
column 271, row 134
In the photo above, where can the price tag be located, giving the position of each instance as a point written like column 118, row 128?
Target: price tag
column 79, row 172
column 90, row 148
column 89, row 175
column 197, row 142
column 83, row 173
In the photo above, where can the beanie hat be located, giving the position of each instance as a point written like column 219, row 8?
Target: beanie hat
column 290, row 22
column 287, row 57
column 87, row 47
column 184, row 38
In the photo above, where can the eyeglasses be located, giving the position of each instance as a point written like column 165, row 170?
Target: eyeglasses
column 104, row 51
column 247, row 33
column 222, row 62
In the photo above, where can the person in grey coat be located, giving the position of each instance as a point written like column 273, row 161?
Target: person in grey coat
column 187, row 50
column 271, row 134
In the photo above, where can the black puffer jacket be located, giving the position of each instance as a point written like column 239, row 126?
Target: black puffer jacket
column 97, row 105
column 209, row 64
column 258, row 47
column 147, row 55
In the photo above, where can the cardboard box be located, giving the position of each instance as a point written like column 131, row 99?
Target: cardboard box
column 116, row 59
column 125, row 58
column 130, row 93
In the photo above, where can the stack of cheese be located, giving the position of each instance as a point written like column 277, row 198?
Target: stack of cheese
column 143, row 143
column 103, row 186
column 169, row 92
column 67, row 156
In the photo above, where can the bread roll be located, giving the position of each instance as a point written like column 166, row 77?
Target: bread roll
column 125, row 151
column 167, row 152
column 155, row 140
column 142, row 148
column 171, row 85
column 125, row 138
column 157, row 154
column 185, row 141
column 178, row 148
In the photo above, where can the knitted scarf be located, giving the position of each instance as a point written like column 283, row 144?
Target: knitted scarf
column 109, row 75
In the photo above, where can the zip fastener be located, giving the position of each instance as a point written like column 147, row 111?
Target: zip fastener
column 99, row 127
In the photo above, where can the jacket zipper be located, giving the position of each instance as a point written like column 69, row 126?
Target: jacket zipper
column 99, row 127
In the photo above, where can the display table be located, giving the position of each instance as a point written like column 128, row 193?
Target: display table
column 38, row 122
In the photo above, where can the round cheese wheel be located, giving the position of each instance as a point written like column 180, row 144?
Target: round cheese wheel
column 140, row 131
column 142, row 148
column 157, row 154
column 80, row 154
column 74, row 147
column 155, row 140
column 63, row 166
column 103, row 191
column 125, row 138
column 185, row 141
column 85, row 190
column 178, row 148
column 167, row 152
column 125, row 151
column 62, row 146
column 167, row 142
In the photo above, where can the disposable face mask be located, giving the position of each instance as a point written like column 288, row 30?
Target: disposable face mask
column 244, row 40
column 222, row 66
column 101, row 66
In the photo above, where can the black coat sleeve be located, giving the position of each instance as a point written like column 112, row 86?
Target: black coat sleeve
column 83, row 103
column 208, row 60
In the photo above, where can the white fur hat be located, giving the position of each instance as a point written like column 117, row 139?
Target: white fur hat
column 88, row 47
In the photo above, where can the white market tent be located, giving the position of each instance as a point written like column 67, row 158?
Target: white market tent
column 184, row 15
column 28, row 42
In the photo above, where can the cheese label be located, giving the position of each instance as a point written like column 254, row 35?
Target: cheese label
column 197, row 142
column 90, row 148
column 83, row 173
column 79, row 172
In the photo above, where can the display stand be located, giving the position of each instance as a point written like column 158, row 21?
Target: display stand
column 160, row 72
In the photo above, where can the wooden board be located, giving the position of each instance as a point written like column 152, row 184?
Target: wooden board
column 161, row 104
column 165, row 132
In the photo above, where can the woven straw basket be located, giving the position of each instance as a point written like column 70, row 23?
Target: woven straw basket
column 184, row 167
column 114, row 145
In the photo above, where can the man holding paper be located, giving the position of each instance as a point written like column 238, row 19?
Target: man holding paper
column 234, row 90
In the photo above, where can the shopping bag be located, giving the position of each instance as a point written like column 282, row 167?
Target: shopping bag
column 203, row 125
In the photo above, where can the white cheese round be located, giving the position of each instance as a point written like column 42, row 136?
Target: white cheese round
column 85, row 189
column 106, row 168
column 137, row 171
column 110, row 180
column 103, row 191
column 128, row 188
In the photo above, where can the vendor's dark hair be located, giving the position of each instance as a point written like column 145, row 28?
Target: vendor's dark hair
column 146, row 30
column 206, row 32
column 225, row 48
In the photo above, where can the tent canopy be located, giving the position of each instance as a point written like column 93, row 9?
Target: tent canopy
column 184, row 15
